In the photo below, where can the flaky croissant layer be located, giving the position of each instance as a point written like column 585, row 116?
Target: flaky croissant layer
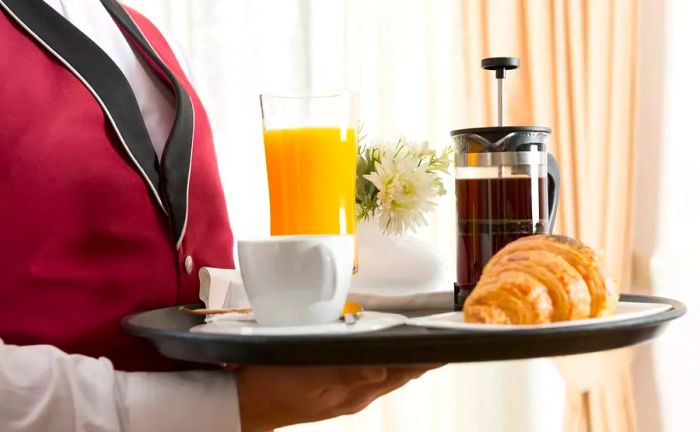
column 540, row 279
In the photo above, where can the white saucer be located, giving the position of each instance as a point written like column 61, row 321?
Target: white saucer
column 454, row 320
column 367, row 322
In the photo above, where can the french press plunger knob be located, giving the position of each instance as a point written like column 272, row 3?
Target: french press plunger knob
column 500, row 65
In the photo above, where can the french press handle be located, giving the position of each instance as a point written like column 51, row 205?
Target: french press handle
column 553, row 188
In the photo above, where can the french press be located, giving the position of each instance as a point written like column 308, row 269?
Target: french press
column 507, row 187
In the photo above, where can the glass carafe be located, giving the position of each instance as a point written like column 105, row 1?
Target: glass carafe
column 507, row 187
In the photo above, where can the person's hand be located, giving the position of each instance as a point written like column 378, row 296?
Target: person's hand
column 277, row 396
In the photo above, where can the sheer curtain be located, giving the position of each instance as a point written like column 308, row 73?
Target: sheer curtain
column 406, row 59
column 668, row 211
column 416, row 66
column 579, row 77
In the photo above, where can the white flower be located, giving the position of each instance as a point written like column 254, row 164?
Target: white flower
column 406, row 191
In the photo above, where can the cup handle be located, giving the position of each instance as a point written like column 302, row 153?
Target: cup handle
column 329, row 279
column 553, row 187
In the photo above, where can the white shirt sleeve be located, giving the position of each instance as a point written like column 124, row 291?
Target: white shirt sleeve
column 43, row 388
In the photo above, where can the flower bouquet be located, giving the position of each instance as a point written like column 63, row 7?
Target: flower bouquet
column 398, row 182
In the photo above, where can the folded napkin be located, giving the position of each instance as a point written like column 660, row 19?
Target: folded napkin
column 221, row 288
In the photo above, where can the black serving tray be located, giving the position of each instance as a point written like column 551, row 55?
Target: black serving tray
column 168, row 330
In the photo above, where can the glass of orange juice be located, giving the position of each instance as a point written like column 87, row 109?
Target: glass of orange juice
column 311, row 154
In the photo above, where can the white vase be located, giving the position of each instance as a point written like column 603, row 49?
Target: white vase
column 396, row 265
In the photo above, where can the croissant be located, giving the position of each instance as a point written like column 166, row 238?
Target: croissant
column 540, row 279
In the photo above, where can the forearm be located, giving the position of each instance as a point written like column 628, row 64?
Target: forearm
column 42, row 388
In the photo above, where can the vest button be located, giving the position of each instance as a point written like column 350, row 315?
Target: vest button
column 189, row 264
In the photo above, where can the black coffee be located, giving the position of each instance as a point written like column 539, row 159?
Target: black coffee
column 490, row 214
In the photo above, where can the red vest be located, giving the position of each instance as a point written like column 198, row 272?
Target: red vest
column 92, row 226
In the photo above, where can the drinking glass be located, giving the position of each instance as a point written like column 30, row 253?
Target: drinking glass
column 311, row 154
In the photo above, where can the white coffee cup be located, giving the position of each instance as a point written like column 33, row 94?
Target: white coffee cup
column 297, row 280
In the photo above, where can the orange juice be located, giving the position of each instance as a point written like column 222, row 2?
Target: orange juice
column 311, row 174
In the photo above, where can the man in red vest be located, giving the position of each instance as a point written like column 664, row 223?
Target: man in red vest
column 110, row 202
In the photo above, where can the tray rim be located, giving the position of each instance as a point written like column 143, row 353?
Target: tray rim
column 677, row 310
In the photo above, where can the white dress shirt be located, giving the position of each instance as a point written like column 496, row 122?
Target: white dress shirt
column 45, row 389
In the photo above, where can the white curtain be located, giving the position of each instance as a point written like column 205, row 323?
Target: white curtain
column 405, row 59
column 668, row 211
